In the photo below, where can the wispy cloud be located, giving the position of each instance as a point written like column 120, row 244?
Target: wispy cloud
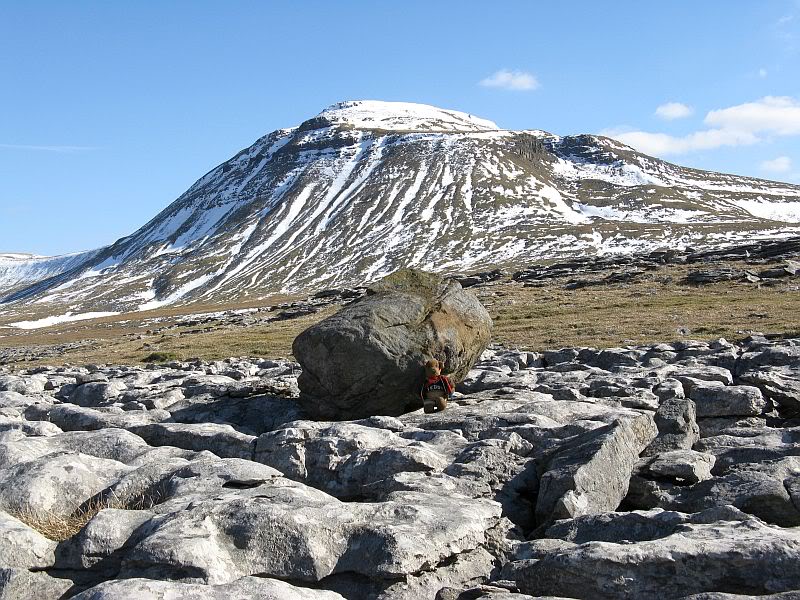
column 785, row 31
column 511, row 80
column 738, row 125
column 674, row 110
column 37, row 148
column 762, row 72
column 782, row 164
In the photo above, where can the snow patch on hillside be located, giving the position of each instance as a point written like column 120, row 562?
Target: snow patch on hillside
column 65, row 318
column 788, row 212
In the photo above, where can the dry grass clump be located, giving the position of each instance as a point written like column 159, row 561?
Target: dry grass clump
column 60, row 527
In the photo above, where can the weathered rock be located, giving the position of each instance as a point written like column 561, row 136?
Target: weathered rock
column 9, row 399
column 781, row 384
column 26, row 385
column 114, row 444
column 669, row 389
column 246, row 587
column 346, row 460
column 56, row 483
column 77, row 418
column 294, row 532
column 592, row 474
column 98, row 393
column 222, row 440
column 22, row 584
column 424, row 493
column 762, row 490
column 23, row 547
column 169, row 487
column 153, row 398
column 681, row 465
column 368, row 358
column 734, row 446
column 252, row 416
column 713, row 426
column 92, row 377
column 740, row 556
column 775, row 369
column 505, row 473
column 628, row 527
column 99, row 544
column 714, row 399
column 30, row 428
column 677, row 427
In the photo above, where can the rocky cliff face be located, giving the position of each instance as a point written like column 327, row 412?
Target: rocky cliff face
column 366, row 188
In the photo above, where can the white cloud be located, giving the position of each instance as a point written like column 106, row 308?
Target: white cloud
column 778, row 115
column 782, row 164
column 511, row 80
column 674, row 110
column 762, row 72
column 738, row 125
column 662, row 144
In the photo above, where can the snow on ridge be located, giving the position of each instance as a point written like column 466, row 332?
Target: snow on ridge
column 11, row 256
column 403, row 116
column 17, row 268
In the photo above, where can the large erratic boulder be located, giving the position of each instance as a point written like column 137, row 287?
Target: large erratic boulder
column 368, row 358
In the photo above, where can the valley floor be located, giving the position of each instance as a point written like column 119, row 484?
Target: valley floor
column 617, row 307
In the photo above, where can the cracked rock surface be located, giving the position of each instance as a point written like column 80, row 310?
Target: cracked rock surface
column 661, row 471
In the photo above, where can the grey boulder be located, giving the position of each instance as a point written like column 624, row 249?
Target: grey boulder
column 368, row 358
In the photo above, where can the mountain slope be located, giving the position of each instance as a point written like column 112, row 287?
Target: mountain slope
column 368, row 187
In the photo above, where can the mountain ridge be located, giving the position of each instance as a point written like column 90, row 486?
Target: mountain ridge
column 366, row 187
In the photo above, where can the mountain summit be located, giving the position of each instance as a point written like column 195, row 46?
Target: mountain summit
column 367, row 187
column 400, row 116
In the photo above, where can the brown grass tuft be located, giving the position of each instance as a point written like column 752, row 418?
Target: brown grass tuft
column 59, row 527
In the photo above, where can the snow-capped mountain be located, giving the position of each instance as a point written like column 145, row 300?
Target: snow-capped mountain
column 367, row 187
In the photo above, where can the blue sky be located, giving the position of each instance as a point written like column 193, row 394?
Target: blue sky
column 110, row 110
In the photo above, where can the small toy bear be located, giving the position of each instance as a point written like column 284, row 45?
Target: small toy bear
column 436, row 389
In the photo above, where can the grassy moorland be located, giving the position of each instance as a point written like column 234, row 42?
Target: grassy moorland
column 657, row 307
